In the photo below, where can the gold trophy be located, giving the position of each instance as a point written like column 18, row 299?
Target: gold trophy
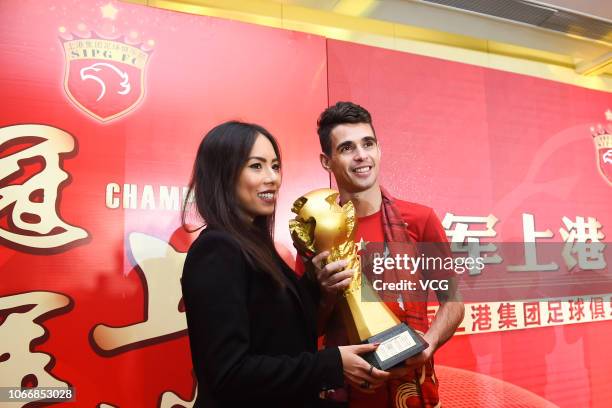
column 321, row 225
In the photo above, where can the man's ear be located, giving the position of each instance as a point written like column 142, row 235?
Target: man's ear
column 325, row 162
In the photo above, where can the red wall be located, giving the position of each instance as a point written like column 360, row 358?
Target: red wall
column 103, row 281
column 473, row 141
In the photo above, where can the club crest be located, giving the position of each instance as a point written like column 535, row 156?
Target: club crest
column 602, row 138
column 105, row 78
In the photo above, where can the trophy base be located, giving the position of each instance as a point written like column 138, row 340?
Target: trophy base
column 396, row 345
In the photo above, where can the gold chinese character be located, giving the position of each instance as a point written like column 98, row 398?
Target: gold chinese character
column 162, row 267
column 170, row 400
column 18, row 361
column 34, row 217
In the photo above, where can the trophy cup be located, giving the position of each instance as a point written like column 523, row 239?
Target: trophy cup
column 321, row 224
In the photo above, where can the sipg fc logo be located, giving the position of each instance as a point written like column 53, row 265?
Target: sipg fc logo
column 104, row 77
column 602, row 137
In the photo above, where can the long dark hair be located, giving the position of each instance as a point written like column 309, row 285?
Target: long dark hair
column 222, row 155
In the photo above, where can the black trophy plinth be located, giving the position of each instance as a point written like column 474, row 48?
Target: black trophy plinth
column 396, row 345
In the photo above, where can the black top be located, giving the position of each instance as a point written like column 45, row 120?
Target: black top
column 251, row 341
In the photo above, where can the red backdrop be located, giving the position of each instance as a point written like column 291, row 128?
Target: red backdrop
column 472, row 141
column 104, row 104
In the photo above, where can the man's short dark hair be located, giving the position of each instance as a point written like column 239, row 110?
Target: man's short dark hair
column 339, row 114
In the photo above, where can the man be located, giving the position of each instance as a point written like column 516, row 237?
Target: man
column 350, row 152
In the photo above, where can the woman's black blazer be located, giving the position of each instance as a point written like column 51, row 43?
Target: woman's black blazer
column 252, row 342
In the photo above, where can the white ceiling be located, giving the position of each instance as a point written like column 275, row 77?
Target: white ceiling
column 597, row 8
column 582, row 51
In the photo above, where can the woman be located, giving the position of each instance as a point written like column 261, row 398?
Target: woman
column 251, row 322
